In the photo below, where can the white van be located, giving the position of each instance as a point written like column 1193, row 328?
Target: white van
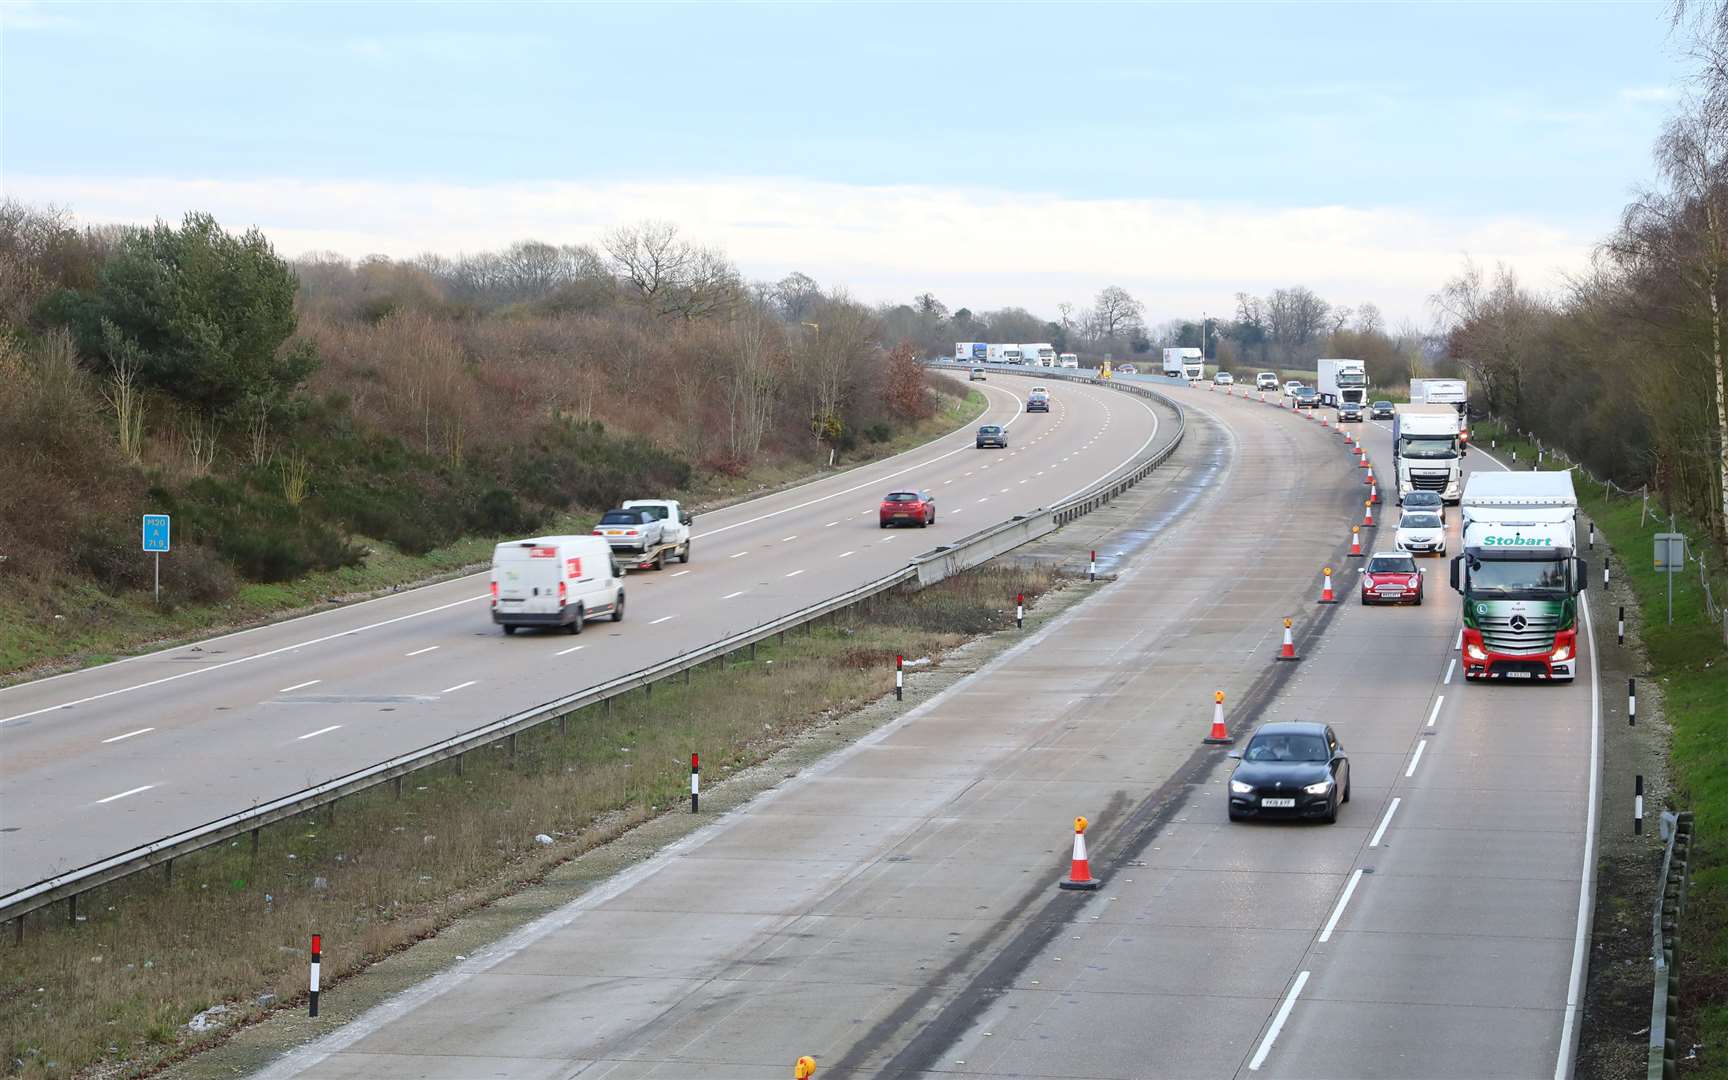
column 560, row 581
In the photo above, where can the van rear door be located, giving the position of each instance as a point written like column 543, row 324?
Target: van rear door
column 528, row 574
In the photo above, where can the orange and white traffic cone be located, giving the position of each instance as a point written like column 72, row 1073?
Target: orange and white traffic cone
column 1323, row 423
column 1368, row 514
column 1220, row 734
column 1355, row 541
column 1368, row 478
column 1080, row 873
column 1288, row 652
column 1374, row 494
column 1326, row 596
column 1362, row 461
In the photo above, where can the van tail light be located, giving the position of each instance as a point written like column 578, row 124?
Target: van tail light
column 563, row 593
column 494, row 594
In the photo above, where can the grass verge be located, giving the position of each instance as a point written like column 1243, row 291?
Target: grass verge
column 1687, row 659
column 80, row 625
column 114, row 992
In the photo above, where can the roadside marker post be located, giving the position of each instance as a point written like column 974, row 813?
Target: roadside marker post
column 1592, row 536
column 899, row 677
column 1631, row 702
column 1019, row 611
column 1605, row 560
column 1092, row 568
column 695, row 782
column 1622, row 626
column 317, row 959
column 1638, row 804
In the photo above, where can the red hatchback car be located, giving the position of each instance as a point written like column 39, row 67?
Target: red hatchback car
column 1391, row 577
column 908, row 508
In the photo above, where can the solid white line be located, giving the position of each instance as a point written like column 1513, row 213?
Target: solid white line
column 1451, row 666
column 242, row 660
column 662, row 619
column 123, row 794
column 1338, row 912
column 129, row 734
column 795, row 573
column 844, row 554
column 1278, row 1022
column 681, row 573
column 459, row 686
column 421, row 652
column 299, row 686
column 320, row 731
column 567, row 652
column 1586, row 878
column 1435, row 715
column 730, row 595
column 1414, row 758
column 1385, row 821
column 738, row 555
column 1459, row 643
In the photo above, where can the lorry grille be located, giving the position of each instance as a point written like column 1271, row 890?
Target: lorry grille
column 1536, row 636
column 1429, row 481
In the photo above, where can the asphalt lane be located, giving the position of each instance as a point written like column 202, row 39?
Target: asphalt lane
column 98, row 761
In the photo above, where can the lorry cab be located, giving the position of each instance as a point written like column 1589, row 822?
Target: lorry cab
column 555, row 582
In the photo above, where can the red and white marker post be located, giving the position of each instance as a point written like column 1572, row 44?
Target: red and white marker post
column 1019, row 611
column 317, row 958
column 695, row 781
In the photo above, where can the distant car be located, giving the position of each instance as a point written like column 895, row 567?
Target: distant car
column 1127, row 369
column 1424, row 500
column 908, row 508
column 1349, row 411
column 1391, row 577
column 1290, row 769
column 1421, row 532
column 1291, row 387
column 1382, row 411
column 1266, row 380
column 1040, row 390
column 1306, row 397
column 976, row 376
column 630, row 530
column 1223, row 378
column 992, row 435
column 1037, row 401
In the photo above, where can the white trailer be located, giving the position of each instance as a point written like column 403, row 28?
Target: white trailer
column 1038, row 354
column 971, row 352
column 1341, row 382
column 1003, row 354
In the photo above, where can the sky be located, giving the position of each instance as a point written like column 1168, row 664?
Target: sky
column 994, row 154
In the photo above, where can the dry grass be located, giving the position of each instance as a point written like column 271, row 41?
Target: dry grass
column 115, row 991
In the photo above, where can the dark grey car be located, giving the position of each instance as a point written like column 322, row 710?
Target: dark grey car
column 992, row 435
column 1290, row 770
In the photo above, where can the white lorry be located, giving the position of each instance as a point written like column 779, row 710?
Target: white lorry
column 1003, row 354
column 1068, row 360
column 1453, row 392
column 555, row 582
column 1342, row 382
column 1427, row 451
column 1519, row 576
column 971, row 352
column 1186, row 363
column 1038, row 354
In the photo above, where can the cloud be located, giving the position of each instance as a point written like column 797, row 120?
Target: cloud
column 1649, row 95
column 974, row 246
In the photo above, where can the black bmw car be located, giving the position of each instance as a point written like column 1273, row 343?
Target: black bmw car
column 1290, row 770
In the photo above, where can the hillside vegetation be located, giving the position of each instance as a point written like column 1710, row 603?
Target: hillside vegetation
column 321, row 417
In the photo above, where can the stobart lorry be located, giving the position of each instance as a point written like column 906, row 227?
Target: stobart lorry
column 1519, row 577
column 1427, row 450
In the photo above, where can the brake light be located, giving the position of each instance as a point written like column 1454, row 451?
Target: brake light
column 494, row 594
column 632, row 532
column 563, row 593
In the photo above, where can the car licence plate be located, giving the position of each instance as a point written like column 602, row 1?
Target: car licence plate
column 1278, row 804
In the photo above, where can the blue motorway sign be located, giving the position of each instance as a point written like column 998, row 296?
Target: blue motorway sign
column 155, row 532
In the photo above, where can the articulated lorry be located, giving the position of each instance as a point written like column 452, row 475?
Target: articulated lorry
column 1453, row 392
column 1186, row 363
column 1427, row 451
column 971, row 352
column 1519, row 576
column 1342, row 382
column 1004, row 354
column 1038, row 354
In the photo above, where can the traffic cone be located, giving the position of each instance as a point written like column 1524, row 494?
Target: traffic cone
column 1326, row 596
column 1080, row 874
column 1368, row 478
column 1220, row 734
column 1359, row 451
column 1288, row 652
column 1323, row 423
column 1374, row 494
column 1355, row 541
column 1368, row 514
column 1362, row 461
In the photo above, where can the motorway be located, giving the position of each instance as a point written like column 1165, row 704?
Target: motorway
column 893, row 911
column 99, row 761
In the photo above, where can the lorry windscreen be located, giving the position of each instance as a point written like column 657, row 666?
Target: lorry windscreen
column 1512, row 579
column 1352, row 378
column 1427, row 449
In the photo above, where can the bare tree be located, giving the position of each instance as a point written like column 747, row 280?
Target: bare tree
column 1115, row 313
column 796, row 294
column 671, row 276
column 754, row 381
column 1369, row 320
column 1295, row 318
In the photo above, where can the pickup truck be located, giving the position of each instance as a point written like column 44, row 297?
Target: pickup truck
column 646, row 531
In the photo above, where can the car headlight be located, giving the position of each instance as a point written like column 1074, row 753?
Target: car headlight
column 1474, row 652
column 1237, row 787
column 1564, row 652
column 1318, row 789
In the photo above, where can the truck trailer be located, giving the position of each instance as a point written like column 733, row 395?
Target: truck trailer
column 1038, row 354
column 1453, row 392
column 1519, row 576
column 1003, row 354
column 971, row 352
column 1427, row 452
column 1342, row 382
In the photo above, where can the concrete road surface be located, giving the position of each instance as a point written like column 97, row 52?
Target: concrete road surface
column 99, row 761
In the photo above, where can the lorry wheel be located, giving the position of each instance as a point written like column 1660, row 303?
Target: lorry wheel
column 508, row 629
column 618, row 607
column 684, row 553
column 575, row 626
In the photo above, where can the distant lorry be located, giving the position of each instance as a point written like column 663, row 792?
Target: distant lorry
column 1342, row 381
column 971, row 352
column 1038, row 354
column 1186, row 363
column 1519, row 576
column 1004, row 354
column 1068, row 360
column 555, row 582
column 1453, row 392
column 1427, row 451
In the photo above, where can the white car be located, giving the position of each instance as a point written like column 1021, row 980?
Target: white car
column 1126, row 369
column 1039, row 390
column 1224, row 378
column 1421, row 532
column 1266, row 380
column 1291, row 387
